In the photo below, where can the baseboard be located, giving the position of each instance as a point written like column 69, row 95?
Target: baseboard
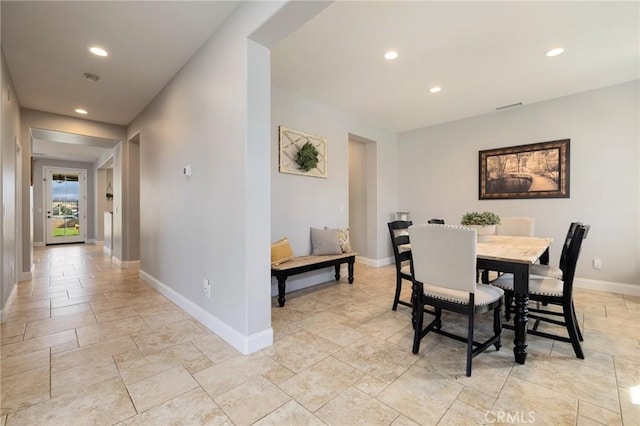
column 106, row 250
column 376, row 263
column 366, row 261
column 4, row 311
column 94, row 242
column 243, row 343
column 38, row 244
column 608, row 286
column 125, row 264
column 25, row 276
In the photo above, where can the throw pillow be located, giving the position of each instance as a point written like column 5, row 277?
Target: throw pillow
column 343, row 239
column 281, row 252
column 324, row 241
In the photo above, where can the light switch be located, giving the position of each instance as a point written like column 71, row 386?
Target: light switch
column 186, row 170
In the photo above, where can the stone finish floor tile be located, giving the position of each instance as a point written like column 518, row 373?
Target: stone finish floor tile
column 162, row 387
column 320, row 383
column 420, row 395
column 191, row 408
column 84, row 341
column 290, row 413
column 251, row 401
column 356, row 407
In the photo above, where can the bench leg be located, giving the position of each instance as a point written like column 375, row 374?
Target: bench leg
column 350, row 267
column 337, row 267
column 281, row 290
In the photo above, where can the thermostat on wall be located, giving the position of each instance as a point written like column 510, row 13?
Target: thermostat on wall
column 186, row 170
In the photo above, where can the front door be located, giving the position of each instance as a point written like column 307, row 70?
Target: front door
column 65, row 205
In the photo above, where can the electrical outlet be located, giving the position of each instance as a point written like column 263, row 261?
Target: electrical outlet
column 207, row 288
column 597, row 264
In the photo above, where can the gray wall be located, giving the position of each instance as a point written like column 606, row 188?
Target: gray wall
column 10, row 107
column 301, row 202
column 439, row 173
column 214, row 224
column 43, row 120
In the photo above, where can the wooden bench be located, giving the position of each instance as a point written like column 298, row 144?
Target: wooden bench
column 310, row 263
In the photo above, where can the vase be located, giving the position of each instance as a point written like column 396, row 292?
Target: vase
column 484, row 231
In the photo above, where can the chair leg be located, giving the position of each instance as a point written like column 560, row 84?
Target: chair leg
column 396, row 299
column 497, row 326
column 470, row 341
column 570, row 320
column 573, row 308
column 418, row 319
column 438, row 318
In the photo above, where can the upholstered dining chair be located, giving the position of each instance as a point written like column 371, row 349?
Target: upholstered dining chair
column 444, row 277
column 516, row 226
column 553, row 291
column 398, row 231
column 556, row 271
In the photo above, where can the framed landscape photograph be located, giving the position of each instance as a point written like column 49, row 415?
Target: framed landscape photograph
column 539, row 170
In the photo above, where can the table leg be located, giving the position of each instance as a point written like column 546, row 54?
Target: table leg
column 337, row 266
column 281, row 290
column 350, row 268
column 521, row 290
column 544, row 259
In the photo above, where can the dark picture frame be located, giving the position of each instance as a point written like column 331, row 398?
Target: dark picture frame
column 539, row 170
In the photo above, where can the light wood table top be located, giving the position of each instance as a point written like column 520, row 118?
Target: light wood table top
column 512, row 249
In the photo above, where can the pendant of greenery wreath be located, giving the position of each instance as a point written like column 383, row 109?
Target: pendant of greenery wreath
column 307, row 157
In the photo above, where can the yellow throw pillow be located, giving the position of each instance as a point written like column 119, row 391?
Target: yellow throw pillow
column 281, row 252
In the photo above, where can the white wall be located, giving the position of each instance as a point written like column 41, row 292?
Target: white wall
column 301, row 202
column 439, row 173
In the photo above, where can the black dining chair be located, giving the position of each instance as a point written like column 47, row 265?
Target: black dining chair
column 436, row 221
column 398, row 231
column 444, row 277
column 553, row 291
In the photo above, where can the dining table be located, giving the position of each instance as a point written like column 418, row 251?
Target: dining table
column 514, row 255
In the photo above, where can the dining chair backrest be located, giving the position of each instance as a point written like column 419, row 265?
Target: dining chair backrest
column 398, row 231
column 516, row 226
column 436, row 221
column 573, row 254
column 444, row 255
column 567, row 242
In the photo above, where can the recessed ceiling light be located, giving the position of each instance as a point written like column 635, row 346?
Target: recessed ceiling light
column 435, row 89
column 391, row 55
column 81, row 111
column 98, row 51
column 555, row 52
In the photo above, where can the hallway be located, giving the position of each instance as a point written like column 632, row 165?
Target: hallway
column 87, row 343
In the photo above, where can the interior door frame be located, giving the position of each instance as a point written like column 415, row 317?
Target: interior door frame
column 82, row 205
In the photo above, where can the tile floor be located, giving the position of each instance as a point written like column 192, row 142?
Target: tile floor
column 86, row 343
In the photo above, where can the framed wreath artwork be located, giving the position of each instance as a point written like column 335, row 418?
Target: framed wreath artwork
column 302, row 153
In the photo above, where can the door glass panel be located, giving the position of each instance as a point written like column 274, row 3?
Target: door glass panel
column 65, row 197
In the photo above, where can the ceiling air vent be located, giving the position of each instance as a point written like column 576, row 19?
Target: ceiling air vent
column 509, row 106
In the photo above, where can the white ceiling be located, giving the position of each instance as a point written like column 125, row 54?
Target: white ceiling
column 483, row 54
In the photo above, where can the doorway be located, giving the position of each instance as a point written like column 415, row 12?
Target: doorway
column 362, row 197
column 65, row 205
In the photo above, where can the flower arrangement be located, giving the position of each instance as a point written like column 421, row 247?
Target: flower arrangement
column 481, row 219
